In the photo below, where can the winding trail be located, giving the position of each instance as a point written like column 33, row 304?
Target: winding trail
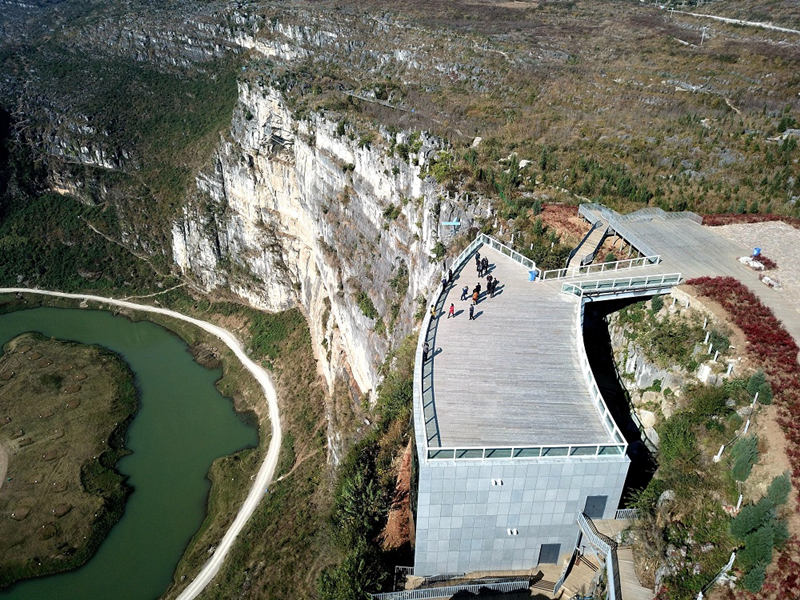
column 740, row 22
column 267, row 469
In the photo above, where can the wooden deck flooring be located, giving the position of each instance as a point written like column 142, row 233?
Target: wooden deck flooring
column 511, row 377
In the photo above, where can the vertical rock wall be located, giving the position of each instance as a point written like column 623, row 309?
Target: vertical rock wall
column 300, row 212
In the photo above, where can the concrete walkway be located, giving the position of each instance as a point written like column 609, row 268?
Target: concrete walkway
column 631, row 588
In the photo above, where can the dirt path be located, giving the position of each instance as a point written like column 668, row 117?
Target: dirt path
column 3, row 464
column 267, row 470
column 769, row 26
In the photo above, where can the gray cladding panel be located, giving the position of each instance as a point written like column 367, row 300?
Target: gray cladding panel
column 463, row 519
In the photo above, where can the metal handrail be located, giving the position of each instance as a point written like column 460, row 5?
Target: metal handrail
column 594, row 389
column 626, row 513
column 598, row 451
column 507, row 251
column 580, row 288
column 609, row 548
column 626, row 263
column 613, row 449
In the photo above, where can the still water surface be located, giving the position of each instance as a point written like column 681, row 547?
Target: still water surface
column 183, row 424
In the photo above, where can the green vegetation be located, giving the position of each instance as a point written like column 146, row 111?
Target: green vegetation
column 538, row 242
column 66, row 408
column 268, row 331
column 694, row 518
column 365, row 304
column 45, row 240
column 758, row 384
column 365, row 482
column 759, row 529
column 667, row 339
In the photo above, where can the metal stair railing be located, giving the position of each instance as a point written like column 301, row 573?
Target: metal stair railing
column 608, row 548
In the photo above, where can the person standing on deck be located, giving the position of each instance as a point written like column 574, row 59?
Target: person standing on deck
column 452, row 311
column 433, row 311
column 484, row 265
column 464, row 292
column 471, row 312
column 449, row 275
column 474, row 298
column 489, row 283
column 425, row 350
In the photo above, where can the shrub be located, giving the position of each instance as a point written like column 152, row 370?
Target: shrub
column 678, row 446
column 780, row 533
column 707, row 401
column 778, row 491
column 751, row 518
column 366, row 305
column 745, row 455
column 754, row 578
column 719, row 341
column 438, row 251
column 765, row 393
column 757, row 549
column 755, row 382
column 656, row 304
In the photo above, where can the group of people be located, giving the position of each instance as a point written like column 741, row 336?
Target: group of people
column 482, row 265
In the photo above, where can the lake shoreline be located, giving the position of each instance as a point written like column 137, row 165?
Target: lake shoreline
column 101, row 467
column 252, row 419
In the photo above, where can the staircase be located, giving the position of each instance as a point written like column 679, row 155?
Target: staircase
column 589, row 245
column 580, row 580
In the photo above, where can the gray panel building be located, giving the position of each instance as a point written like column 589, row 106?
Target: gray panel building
column 513, row 437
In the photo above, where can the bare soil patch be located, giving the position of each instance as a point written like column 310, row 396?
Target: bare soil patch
column 779, row 241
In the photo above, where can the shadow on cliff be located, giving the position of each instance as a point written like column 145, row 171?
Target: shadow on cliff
column 601, row 358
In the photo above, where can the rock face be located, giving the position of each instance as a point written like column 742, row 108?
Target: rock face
column 297, row 211
column 297, row 207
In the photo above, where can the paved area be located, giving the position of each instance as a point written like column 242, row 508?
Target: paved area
column 695, row 250
column 511, row 377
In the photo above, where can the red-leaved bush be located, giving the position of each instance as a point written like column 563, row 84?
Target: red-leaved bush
column 730, row 218
column 771, row 346
column 766, row 261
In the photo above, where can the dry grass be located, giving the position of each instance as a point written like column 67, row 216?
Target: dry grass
column 61, row 403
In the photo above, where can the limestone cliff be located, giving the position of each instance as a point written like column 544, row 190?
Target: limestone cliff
column 301, row 211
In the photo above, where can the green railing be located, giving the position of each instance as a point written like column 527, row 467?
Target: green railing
column 619, row 265
column 621, row 284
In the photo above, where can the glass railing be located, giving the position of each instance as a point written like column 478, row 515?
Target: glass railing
column 527, row 452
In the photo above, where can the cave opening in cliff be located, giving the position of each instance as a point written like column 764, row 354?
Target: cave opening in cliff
column 601, row 359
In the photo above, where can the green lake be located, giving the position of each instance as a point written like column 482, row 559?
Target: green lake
column 183, row 424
